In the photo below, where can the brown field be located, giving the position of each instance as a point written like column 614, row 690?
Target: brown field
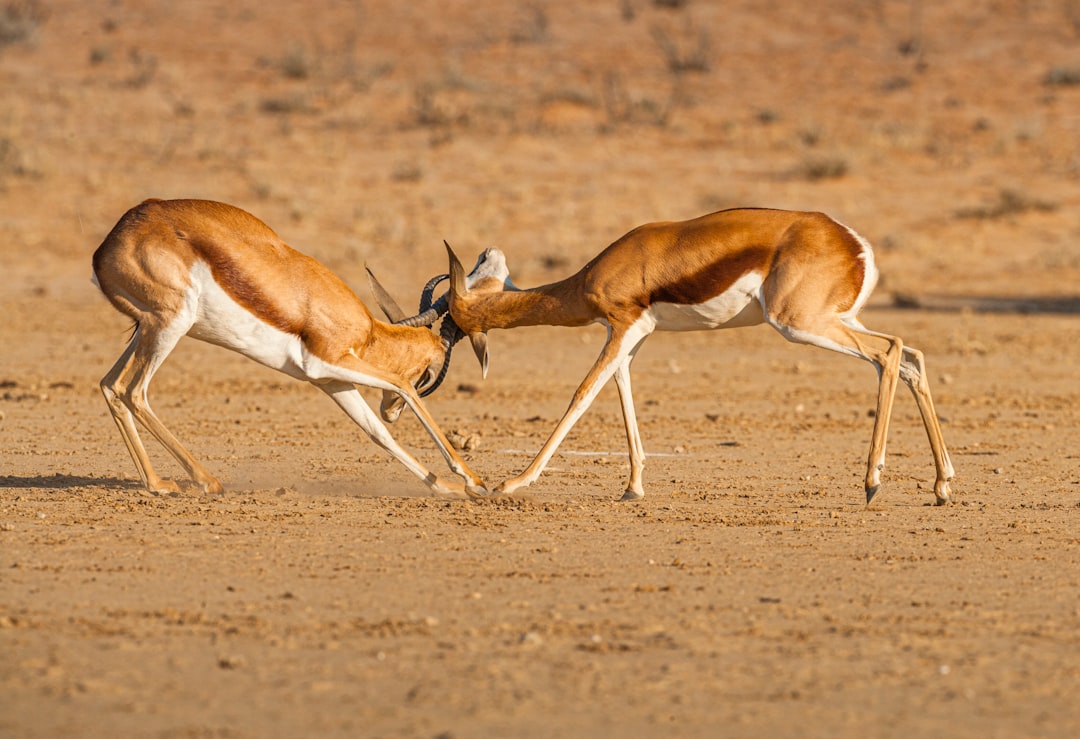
column 752, row 592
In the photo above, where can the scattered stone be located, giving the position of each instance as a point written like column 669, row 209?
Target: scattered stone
column 530, row 639
column 463, row 441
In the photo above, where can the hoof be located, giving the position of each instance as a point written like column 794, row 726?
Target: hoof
column 454, row 488
column 631, row 495
column 163, row 487
column 871, row 491
column 507, row 487
column 942, row 494
column 476, row 493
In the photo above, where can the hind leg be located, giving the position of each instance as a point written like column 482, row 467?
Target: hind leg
column 112, row 388
column 913, row 373
column 125, row 389
column 881, row 350
column 887, row 364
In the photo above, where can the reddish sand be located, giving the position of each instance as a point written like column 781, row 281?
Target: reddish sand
column 751, row 592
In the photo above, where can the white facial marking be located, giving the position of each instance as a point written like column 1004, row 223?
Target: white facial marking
column 736, row 306
column 491, row 263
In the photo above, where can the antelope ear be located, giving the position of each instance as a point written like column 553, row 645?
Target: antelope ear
column 480, row 346
column 389, row 307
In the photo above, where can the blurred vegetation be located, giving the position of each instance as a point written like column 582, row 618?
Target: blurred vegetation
column 1009, row 202
column 20, row 20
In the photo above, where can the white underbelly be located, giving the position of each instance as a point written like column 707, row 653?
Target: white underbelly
column 737, row 306
column 222, row 321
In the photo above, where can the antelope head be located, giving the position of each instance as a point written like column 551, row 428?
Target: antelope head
column 490, row 275
column 430, row 376
column 490, row 265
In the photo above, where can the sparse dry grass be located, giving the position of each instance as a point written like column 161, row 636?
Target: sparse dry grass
column 816, row 168
column 1063, row 76
column 691, row 53
column 20, row 20
column 1009, row 202
column 621, row 106
column 534, row 28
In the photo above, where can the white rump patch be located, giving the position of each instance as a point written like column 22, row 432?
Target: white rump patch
column 739, row 305
column 870, row 274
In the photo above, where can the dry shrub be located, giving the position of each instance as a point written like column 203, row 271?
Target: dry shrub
column 534, row 29
column 1063, row 77
column 684, row 57
column 823, row 168
column 20, row 20
column 1009, row 202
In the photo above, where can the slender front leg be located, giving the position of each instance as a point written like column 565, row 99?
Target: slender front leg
column 474, row 486
column 350, row 401
column 614, row 354
column 634, row 487
column 356, row 371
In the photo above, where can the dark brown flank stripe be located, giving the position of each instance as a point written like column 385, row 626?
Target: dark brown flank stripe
column 713, row 280
column 233, row 280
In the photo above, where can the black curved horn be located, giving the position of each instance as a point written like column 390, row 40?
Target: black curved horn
column 426, row 318
column 429, row 312
column 427, row 295
column 450, row 335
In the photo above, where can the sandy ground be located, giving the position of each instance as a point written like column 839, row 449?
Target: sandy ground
column 751, row 592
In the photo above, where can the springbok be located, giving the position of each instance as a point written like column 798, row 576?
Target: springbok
column 218, row 274
column 804, row 274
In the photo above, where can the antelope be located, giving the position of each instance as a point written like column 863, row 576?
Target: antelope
column 804, row 274
column 218, row 274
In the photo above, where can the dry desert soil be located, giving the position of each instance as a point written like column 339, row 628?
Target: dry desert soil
column 752, row 592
